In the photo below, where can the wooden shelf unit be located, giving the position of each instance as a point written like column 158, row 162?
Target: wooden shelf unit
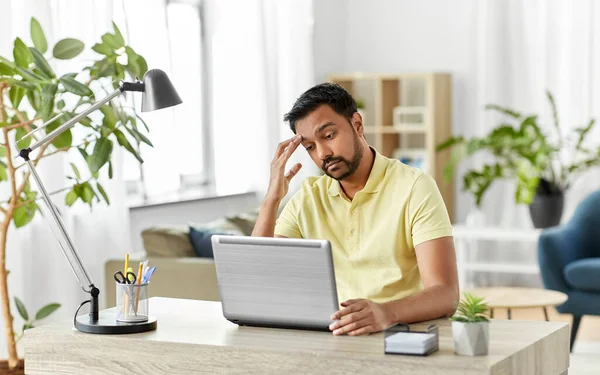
column 424, row 95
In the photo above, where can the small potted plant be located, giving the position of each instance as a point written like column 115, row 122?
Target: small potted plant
column 360, row 104
column 470, row 326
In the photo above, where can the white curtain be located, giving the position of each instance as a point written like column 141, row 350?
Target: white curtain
column 39, row 272
column 262, row 60
column 522, row 49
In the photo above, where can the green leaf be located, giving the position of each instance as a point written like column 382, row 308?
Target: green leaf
column 102, row 49
column 37, row 36
column 34, row 99
column 65, row 139
column 143, row 66
column 103, row 193
column 87, row 193
column 2, row 152
column 20, row 133
column 110, row 116
column 67, row 48
column 47, row 105
column 21, row 308
column 3, row 173
column 15, row 95
column 29, row 75
column 46, row 310
column 112, row 41
column 75, row 87
column 24, row 214
column 76, row 171
column 507, row 111
column 60, row 104
column 27, row 85
column 21, row 54
column 110, row 170
column 6, row 70
column 102, row 150
column 41, row 63
column 71, row 198
column 122, row 139
column 118, row 35
column 136, row 134
column 143, row 122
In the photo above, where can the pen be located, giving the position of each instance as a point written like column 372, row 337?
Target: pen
column 125, row 273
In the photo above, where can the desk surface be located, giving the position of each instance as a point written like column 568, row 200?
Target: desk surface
column 193, row 337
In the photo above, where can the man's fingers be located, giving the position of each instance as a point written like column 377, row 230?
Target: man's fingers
column 347, row 310
column 351, row 327
column 289, row 150
column 349, row 302
column 283, row 145
column 292, row 172
column 349, row 319
column 362, row 331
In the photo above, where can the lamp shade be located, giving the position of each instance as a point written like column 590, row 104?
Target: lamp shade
column 159, row 92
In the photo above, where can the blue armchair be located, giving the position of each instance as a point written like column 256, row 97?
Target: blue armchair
column 569, row 259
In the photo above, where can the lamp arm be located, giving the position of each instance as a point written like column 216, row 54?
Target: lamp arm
column 67, row 125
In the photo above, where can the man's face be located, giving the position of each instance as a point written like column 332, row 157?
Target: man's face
column 332, row 142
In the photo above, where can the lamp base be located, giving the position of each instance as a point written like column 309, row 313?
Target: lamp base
column 108, row 324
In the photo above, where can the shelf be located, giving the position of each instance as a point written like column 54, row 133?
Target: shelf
column 388, row 129
column 412, row 152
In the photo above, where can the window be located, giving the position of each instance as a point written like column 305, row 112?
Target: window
column 171, row 39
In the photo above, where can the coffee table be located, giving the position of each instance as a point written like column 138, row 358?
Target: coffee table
column 514, row 297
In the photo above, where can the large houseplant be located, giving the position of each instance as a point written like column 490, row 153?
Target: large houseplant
column 543, row 169
column 32, row 92
column 470, row 326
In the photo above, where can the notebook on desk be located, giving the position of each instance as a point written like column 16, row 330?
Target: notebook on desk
column 276, row 282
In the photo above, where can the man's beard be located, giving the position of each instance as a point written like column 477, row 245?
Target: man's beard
column 351, row 165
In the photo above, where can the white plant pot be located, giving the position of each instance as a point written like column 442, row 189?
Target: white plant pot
column 471, row 338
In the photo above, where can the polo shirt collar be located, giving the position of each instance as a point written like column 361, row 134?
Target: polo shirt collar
column 373, row 182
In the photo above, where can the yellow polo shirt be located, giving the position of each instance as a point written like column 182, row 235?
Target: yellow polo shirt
column 373, row 236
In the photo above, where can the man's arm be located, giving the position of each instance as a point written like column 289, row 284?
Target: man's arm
column 278, row 188
column 437, row 264
column 265, row 223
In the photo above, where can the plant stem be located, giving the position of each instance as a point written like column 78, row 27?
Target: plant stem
column 11, row 345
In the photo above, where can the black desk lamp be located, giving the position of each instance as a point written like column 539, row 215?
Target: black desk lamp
column 157, row 93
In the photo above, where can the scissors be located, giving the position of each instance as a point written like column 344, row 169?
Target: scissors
column 122, row 279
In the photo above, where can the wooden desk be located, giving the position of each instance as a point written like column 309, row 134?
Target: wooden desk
column 193, row 338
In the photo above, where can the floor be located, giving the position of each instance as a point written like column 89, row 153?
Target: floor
column 585, row 359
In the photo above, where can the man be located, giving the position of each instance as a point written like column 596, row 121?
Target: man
column 389, row 229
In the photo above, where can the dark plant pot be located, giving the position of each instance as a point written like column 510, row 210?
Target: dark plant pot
column 546, row 209
column 20, row 370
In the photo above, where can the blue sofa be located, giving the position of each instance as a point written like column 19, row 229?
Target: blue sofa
column 569, row 259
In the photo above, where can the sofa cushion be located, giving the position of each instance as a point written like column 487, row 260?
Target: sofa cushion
column 200, row 235
column 584, row 274
column 168, row 241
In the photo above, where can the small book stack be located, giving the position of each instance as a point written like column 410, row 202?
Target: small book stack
column 400, row 339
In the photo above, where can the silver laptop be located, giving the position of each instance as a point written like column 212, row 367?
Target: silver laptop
column 276, row 282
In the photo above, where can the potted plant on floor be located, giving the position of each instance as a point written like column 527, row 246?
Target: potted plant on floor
column 524, row 153
column 470, row 327
column 31, row 93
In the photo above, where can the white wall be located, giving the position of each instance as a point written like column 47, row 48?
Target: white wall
column 402, row 36
column 183, row 213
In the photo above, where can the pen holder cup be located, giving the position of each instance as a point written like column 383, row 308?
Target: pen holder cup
column 132, row 302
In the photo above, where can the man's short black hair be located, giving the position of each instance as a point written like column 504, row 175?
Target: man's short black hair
column 328, row 93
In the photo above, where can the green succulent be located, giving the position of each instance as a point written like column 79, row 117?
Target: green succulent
column 471, row 309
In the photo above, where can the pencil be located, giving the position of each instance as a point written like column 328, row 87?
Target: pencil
column 139, row 281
